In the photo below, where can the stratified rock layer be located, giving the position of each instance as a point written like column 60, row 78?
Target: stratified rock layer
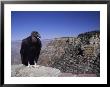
column 77, row 55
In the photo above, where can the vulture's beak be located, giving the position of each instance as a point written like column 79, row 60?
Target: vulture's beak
column 38, row 35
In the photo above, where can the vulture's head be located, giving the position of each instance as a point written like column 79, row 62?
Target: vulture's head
column 34, row 36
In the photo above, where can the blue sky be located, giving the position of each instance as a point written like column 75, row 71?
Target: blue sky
column 52, row 24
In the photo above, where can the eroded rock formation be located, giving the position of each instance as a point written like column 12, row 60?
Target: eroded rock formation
column 77, row 55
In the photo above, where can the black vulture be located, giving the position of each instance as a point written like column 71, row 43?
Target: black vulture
column 30, row 49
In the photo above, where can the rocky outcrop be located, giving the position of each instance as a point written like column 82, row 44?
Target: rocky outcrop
column 34, row 71
column 77, row 55
column 41, row 71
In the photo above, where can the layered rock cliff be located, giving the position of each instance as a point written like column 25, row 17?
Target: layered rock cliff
column 77, row 55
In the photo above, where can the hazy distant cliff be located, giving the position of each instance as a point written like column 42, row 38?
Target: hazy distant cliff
column 15, row 50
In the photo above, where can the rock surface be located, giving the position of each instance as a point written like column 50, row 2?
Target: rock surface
column 42, row 71
column 77, row 55
column 32, row 71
